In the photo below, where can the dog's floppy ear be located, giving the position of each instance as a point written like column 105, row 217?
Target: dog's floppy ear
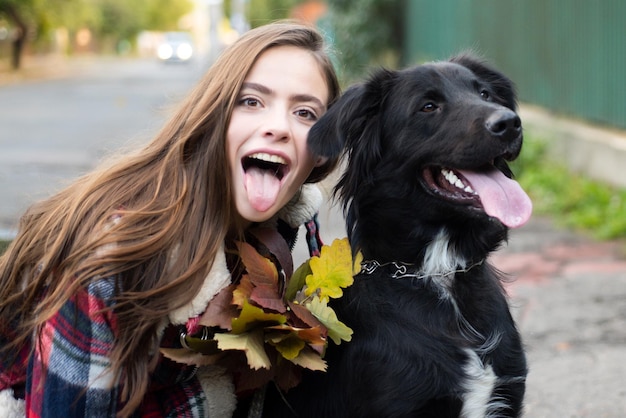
column 345, row 118
column 502, row 86
column 352, row 124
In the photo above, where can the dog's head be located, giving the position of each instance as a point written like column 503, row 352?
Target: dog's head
column 427, row 150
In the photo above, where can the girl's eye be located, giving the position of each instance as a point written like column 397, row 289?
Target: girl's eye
column 250, row 102
column 306, row 114
column 485, row 95
column 429, row 107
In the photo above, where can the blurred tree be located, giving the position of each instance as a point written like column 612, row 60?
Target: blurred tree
column 114, row 20
column 165, row 14
column 123, row 20
column 261, row 12
column 15, row 12
column 370, row 34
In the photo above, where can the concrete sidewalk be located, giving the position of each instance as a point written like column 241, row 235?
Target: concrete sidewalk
column 569, row 297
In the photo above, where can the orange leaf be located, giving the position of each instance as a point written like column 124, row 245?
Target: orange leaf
column 243, row 291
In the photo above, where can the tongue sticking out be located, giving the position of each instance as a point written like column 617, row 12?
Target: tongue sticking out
column 262, row 187
column 501, row 197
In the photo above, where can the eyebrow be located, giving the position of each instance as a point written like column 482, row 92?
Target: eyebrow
column 296, row 97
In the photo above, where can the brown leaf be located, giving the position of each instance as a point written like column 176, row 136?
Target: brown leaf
column 268, row 297
column 220, row 311
column 184, row 356
column 304, row 315
column 287, row 375
column 260, row 269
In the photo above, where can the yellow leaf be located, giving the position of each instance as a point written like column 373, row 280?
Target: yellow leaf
column 310, row 360
column 331, row 271
column 337, row 330
column 252, row 317
column 358, row 259
column 251, row 343
column 288, row 345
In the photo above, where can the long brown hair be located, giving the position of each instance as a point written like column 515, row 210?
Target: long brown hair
column 128, row 217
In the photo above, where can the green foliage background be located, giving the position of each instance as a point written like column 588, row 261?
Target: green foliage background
column 574, row 201
column 367, row 35
column 109, row 19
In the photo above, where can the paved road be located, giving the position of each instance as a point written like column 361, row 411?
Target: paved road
column 568, row 292
column 53, row 130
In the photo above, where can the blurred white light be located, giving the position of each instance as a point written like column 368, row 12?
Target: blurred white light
column 165, row 51
column 184, row 52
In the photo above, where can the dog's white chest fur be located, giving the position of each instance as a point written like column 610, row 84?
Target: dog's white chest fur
column 479, row 385
column 478, row 399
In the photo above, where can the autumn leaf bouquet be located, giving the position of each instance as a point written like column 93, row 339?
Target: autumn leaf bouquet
column 270, row 327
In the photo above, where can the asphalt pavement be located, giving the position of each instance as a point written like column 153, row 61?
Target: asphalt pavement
column 568, row 295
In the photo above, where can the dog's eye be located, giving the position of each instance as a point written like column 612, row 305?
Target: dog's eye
column 485, row 95
column 429, row 107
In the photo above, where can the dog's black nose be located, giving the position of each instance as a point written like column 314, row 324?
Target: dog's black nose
column 504, row 123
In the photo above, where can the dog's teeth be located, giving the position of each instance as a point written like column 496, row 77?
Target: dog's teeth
column 455, row 181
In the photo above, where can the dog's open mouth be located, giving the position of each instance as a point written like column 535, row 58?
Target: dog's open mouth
column 263, row 175
column 486, row 188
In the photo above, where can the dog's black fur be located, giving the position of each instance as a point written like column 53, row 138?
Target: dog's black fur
column 420, row 344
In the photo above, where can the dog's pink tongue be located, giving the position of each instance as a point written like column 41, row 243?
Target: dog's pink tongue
column 262, row 187
column 502, row 197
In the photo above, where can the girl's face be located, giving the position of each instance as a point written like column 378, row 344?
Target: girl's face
column 284, row 94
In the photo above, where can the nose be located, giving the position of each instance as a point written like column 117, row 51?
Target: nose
column 505, row 124
column 277, row 125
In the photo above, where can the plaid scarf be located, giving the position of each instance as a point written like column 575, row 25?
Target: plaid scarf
column 65, row 372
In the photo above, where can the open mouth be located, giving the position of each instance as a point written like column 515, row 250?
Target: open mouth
column 485, row 188
column 451, row 184
column 263, row 179
column 266, row 162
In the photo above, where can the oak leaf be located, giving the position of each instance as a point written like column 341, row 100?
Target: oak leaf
column 337, row 330
column 331, row 271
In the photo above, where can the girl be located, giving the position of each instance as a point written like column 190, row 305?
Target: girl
column 124, row 261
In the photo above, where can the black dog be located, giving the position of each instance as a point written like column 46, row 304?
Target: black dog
column 428, row 195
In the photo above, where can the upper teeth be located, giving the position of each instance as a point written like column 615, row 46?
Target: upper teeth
column 455, row 181
column 269, row 157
